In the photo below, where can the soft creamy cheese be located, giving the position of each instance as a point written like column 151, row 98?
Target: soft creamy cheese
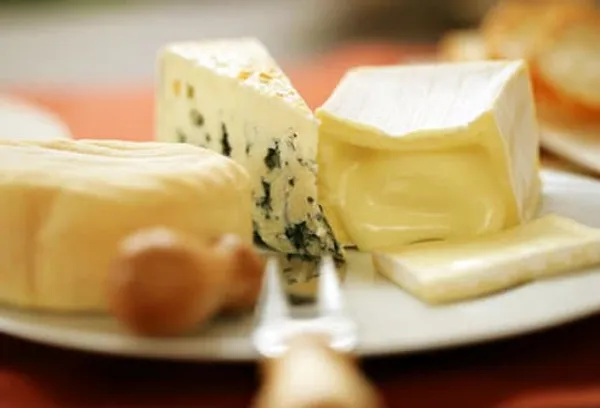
column 428, row 152
column 442, row 272
column 231, row 97
column 66, row 205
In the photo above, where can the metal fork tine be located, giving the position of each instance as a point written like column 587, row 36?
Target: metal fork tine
column 319, row 362
column 329, row 298
column 273, row 305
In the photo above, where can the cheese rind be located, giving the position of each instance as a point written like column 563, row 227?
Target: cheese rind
column 230, row 96
column 66, row 204
column 415, row 153
column 446, row 272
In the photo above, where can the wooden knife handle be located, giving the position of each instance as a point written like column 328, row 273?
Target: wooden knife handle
column 312, row 375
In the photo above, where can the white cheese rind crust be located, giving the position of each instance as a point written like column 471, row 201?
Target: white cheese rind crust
column 66, row 204
column 231, row 97
column 429, row 111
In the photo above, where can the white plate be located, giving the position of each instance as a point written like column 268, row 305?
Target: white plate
column 22, row 120
column 578, row 146
column 390, row 320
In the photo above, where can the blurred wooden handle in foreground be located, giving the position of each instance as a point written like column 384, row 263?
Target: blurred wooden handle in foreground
column 312, row 375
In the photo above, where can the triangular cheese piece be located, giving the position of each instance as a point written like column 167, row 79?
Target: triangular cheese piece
column 230, row 96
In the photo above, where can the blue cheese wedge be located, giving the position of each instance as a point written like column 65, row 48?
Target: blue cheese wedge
column 443, row 272
column 231, row 97
column 429, row 152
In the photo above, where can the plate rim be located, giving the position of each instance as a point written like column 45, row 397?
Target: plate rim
column 559, row 142
column 115, row 344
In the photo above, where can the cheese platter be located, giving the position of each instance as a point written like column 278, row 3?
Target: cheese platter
column 422, row 182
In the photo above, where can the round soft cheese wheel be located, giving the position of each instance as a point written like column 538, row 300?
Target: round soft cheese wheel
column 66, row 204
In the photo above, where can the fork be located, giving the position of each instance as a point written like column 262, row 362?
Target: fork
column 308, row 362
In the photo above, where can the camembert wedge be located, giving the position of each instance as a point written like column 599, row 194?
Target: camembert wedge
column 66, row 204
column 443, row 272
column 428, row 152
column 230, row 96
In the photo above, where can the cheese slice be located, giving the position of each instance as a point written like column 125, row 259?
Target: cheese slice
column 443, row 272
column 428, row 152
column 66, row 204
column 230, row 96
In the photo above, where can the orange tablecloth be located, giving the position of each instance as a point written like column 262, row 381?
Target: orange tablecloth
column 126, row 113
column 554, row 369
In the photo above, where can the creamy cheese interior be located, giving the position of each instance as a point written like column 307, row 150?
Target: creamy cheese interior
column 412, row 154
column 379, row 197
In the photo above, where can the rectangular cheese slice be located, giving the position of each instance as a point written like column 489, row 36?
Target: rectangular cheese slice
column 428, row 152
column 230, row 96
column 66, row 204
column 444, row 272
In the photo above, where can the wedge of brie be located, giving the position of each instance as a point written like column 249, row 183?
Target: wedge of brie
column 443, row 272
column 66, row 204
column 428, row 152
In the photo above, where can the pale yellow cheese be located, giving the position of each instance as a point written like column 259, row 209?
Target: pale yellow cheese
column 65, row 205
column 443, row 272
column 428, row 152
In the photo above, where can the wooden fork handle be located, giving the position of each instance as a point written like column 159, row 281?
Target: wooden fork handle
column 312, row 375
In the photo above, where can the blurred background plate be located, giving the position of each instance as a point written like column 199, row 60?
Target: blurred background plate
column 579, row 146
column 23, row 120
